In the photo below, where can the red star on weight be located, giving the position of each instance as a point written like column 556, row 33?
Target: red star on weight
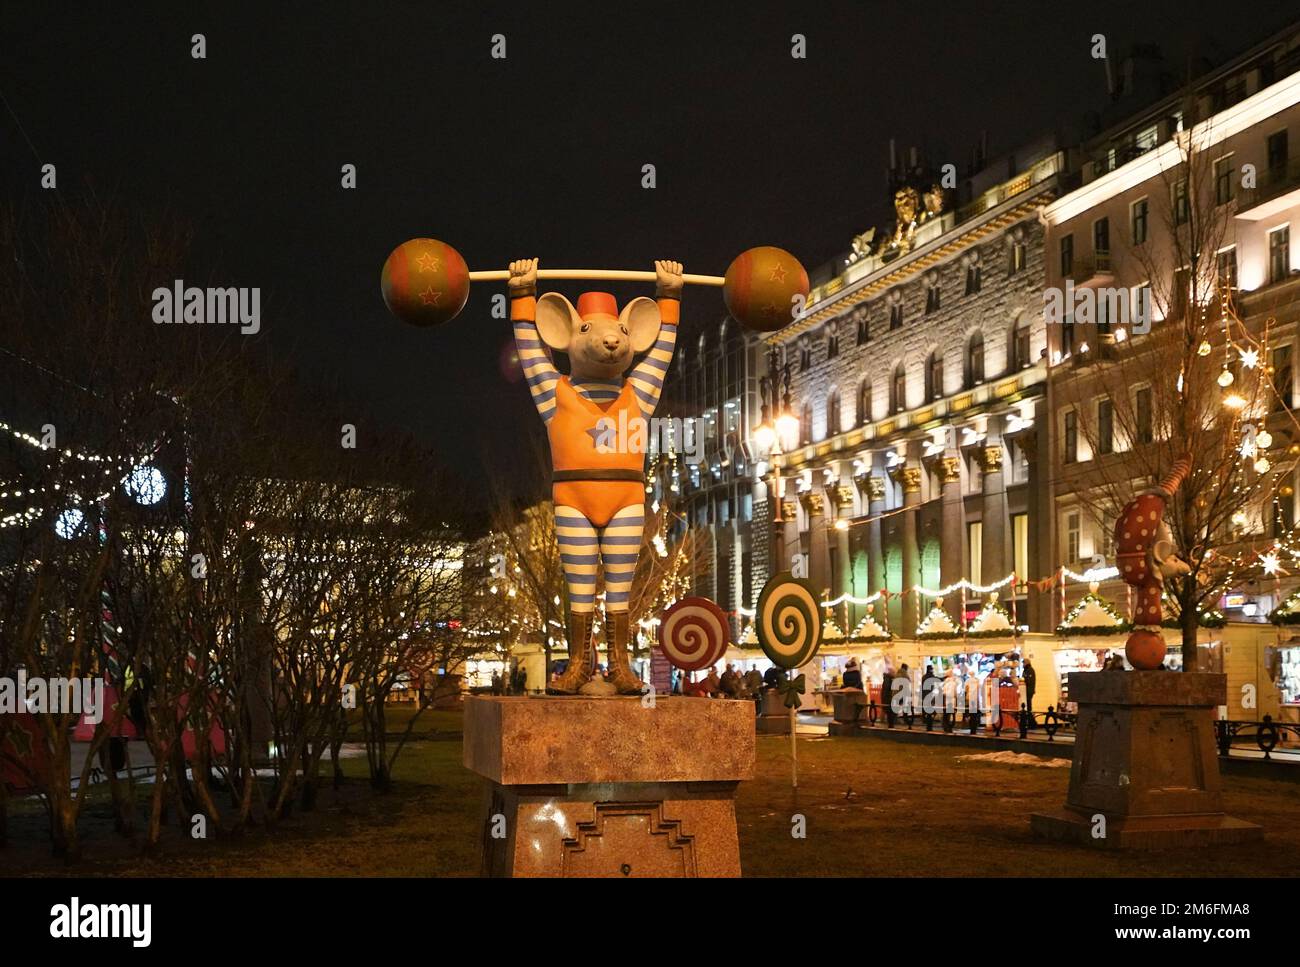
column 778, row 273
column 430, row 297
column 428, row 263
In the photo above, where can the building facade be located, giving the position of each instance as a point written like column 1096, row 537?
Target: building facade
column 1186, row 206
column 916, row 378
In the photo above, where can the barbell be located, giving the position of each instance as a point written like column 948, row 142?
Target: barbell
column 426, row 282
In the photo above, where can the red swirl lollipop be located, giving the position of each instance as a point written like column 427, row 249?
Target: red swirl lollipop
column 693, row 633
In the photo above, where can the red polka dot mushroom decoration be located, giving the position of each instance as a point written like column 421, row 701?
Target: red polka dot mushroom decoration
column 1146, row 556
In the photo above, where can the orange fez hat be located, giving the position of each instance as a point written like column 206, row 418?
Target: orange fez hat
column 597, row 304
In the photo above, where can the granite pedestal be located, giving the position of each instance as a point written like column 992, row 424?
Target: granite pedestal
column 1145, row 767
column 579, row 786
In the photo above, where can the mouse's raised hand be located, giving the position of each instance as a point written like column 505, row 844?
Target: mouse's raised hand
column 668, row 278
column 523, row 277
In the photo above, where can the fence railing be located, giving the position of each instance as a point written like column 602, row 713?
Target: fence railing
column 1265, row 735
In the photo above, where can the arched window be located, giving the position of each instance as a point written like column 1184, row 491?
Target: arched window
column 898, row 390
column 975, row 360
column 1018, row 350
column 934, row 376
column 805, row 424
column 832, row 341
column 864, row 403
column 833, row 414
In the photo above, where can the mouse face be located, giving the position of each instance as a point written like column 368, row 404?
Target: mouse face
column 600, row 344
column 600, row 347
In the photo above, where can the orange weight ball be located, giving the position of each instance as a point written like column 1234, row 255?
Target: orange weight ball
column 1145, row 650
column 760, row 286
column 425, row 282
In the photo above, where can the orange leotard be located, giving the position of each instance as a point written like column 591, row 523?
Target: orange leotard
column 585, row 437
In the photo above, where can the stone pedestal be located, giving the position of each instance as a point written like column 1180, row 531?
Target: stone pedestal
column 579, row 786
column 1145, row 766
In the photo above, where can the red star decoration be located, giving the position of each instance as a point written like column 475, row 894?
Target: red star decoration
column 428, row 263
column 778, row 273
column 430, row 297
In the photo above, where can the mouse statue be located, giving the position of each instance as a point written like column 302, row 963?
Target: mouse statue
column 1147, row 556
column 596, row 423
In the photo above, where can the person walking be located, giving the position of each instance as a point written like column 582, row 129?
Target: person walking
column 886, row 696
column 1031, row 678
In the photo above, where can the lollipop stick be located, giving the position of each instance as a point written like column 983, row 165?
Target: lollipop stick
column 794, row 750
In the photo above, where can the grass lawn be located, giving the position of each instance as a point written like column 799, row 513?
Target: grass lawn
column 872, row 808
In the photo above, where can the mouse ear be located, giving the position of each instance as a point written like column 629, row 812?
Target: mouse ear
column 556, row 319
column 642, row 319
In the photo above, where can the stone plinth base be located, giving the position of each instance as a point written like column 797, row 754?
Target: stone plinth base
column 582, row 786
column 1145, row 770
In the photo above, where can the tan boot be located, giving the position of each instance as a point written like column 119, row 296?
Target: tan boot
column 620, row 673
column 576, row 674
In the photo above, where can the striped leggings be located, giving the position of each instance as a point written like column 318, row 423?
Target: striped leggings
column 584, row 549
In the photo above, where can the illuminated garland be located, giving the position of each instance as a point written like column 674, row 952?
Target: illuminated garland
column 938, row 625
column 1091, row 603
column 995, row 613
column 869, row 629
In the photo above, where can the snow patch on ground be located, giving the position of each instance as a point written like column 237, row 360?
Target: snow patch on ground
column 1007, row 757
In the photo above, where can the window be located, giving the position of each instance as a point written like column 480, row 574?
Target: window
column 1020, row 544
column 1070, row 439
column 896, row 314
column 864, row 330
column 832, row 341
column 833, row 414
column 1101, row 241
column 1223, row 180
column 805, row 354
column 1138, row 220
column 1067, row 336
column 1020, row 346
column 805, row 424
column 1279, row 253
column 1067, row 255
column 1283, row 377
column 972, row 278
column 1226, row 263
column 1016, row 261
column 975, row 550
column 864, row 402
column 1180, row 202
column 1142, row 415
column 932, row 297
column 898, row 390
column 1277, row 154
column 1140, row 310
column 934, row 376
column 1072, row 536
column 1105, row 426
column 975, row 360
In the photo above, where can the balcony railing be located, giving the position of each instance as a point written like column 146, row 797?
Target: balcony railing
column 1273, row 183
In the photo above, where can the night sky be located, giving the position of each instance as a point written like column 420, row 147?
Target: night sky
column 539, row 154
